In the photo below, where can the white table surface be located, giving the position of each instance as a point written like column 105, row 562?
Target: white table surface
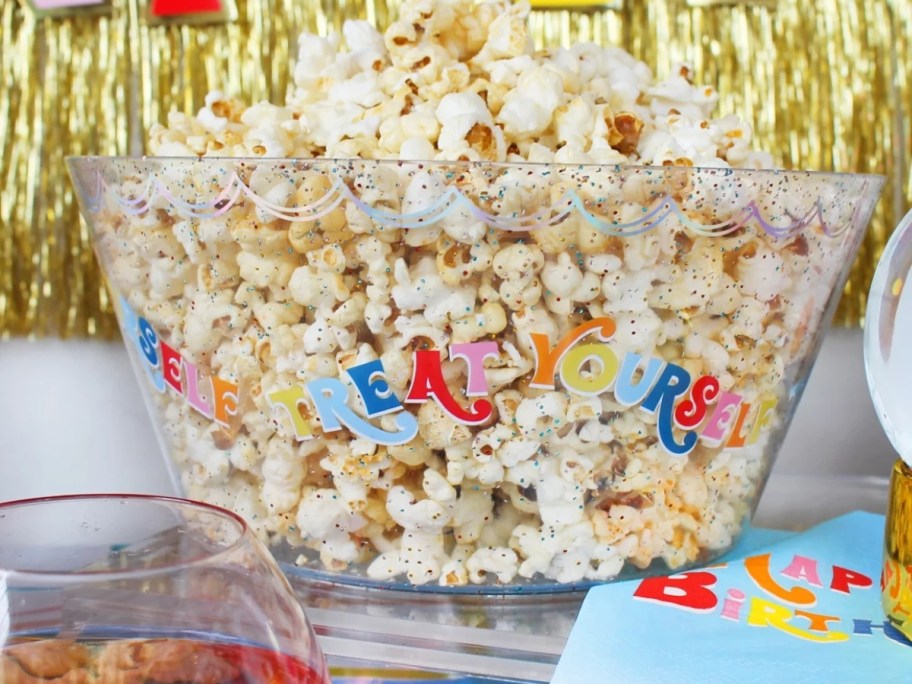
column 72, row 421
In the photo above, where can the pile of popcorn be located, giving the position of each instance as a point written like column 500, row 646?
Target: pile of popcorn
column 455, row 80
column 561, row 487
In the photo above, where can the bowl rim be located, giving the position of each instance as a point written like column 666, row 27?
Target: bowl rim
column 616, row 167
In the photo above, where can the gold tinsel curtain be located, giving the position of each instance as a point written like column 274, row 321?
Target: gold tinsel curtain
column 826, row 85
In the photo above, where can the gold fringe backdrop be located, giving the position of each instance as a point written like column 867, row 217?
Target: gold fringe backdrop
column 826, row 85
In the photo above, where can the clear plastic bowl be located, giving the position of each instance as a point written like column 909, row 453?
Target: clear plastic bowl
column 473, row 376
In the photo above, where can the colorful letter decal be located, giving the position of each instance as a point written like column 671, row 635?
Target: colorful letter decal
column 171, row 366
column 630, row 392
column 225, row 398
column 595, row 382
column 375, row 391
column 691, row 412
column 673, row 382
column 721, row 418
column 765, row 613
column 844, row 579
column 547, row 359
column 758, row 567
column 802, row 568
column 690, row 590
column 475, row 353
column 330, row 397
column 194, row 398
column 680, row 403
column 428, row 381
column 291, row 400
column 782, row 602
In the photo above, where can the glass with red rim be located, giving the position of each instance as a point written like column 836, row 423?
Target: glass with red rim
column 118, row 587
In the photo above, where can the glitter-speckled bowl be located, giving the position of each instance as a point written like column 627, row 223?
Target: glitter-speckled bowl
column 473, row 377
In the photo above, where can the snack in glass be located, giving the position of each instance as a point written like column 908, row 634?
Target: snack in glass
column 132, row 588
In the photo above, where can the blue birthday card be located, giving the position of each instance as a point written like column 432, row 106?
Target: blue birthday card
column 804, row 609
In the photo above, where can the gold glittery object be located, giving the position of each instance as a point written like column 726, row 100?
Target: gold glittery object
column 825, row 84
column 896, row 580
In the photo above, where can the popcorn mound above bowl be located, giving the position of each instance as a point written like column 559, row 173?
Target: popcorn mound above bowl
column 561, row 346
column 460, row 81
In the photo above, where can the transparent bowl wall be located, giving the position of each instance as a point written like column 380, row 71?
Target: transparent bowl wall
column 473, row 377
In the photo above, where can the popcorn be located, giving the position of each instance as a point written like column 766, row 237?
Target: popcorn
column 500, row 561
column 319, row 511
column 315, row 288
column 282, row 474
column 529, row 106
column 538, row 448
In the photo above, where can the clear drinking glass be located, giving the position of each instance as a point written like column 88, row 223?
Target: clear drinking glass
column 130, row 588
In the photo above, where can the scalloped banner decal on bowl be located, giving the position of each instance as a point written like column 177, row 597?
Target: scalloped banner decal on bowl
column 452, row 199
